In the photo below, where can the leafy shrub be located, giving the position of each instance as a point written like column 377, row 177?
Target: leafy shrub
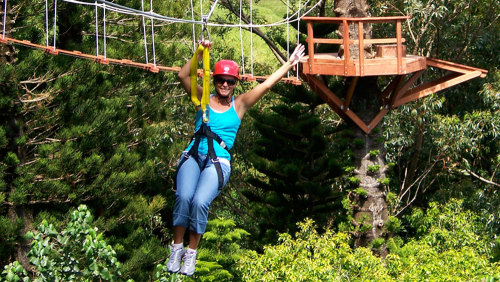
column 449, row 247
column 77, row 253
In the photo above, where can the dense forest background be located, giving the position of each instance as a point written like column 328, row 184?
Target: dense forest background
column 88, row 153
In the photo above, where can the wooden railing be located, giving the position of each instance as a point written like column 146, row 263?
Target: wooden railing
column 346, row 41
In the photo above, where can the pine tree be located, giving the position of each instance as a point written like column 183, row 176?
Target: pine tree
column 73, row 131
column 296, row 164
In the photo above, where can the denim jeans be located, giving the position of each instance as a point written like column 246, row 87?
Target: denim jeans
column 197, row 187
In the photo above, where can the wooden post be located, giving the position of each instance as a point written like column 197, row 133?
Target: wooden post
column 346, row 46
column 310, row 45
column 399, row 46
column 361, row 49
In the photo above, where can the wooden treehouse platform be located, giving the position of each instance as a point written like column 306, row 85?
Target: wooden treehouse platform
column 389, row 59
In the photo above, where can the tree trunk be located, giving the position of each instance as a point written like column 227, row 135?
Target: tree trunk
column 354, row 9
column 370, row 210
column 370, row 207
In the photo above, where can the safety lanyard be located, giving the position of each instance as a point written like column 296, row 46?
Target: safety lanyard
column 206, row 78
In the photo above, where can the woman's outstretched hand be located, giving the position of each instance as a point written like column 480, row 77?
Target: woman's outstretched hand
column 297, row 54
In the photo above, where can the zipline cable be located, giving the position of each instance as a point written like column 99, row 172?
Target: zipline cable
column 212, row 9
column 129, row 11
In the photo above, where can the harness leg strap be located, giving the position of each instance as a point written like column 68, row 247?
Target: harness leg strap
column 215, row 160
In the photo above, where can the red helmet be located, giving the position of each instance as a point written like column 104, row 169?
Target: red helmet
column 227, row 67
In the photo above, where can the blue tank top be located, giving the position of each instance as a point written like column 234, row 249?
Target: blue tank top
column 225, row 124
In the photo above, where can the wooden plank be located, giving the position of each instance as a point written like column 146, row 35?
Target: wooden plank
column 326, row 94
column 321, row 87
column 330, row 64
column 450, row 66
column 395, row 84
column 357, row 121
column 430, row 84
column 414, row 63
column 401, row 91
column 383, row 41
column 364, row 19
column 352, row 41
column 421, row 93
column 326, row 40
column 333, row 101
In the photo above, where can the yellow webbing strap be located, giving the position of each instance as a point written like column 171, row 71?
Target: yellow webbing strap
column 206, row 80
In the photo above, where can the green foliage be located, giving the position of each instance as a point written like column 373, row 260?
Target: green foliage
column 374, row 153
column 220, row 251
column 77, row 252
column 384, row 181
column 377, row 243
column 297, row 166
column 448, row 143
column 218, row 254
column 222, row 243
column 73, row 131
column 361, row 192
column 354, row 180
column 9, row 236
column 162, row 275
column 15, row 272
column 357, row 142
column 373, row 168
column 349, row 169
column 450, row 227
column 393, row 224
column 310, row 256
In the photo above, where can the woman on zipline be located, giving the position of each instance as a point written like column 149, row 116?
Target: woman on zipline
column 204, row 167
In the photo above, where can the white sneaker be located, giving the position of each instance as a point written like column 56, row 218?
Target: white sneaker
column 174, row 261
column 189, row 262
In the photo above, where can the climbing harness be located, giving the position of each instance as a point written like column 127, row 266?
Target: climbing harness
column 205, row 132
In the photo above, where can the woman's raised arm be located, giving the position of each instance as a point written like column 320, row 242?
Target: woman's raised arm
column 250, row 98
